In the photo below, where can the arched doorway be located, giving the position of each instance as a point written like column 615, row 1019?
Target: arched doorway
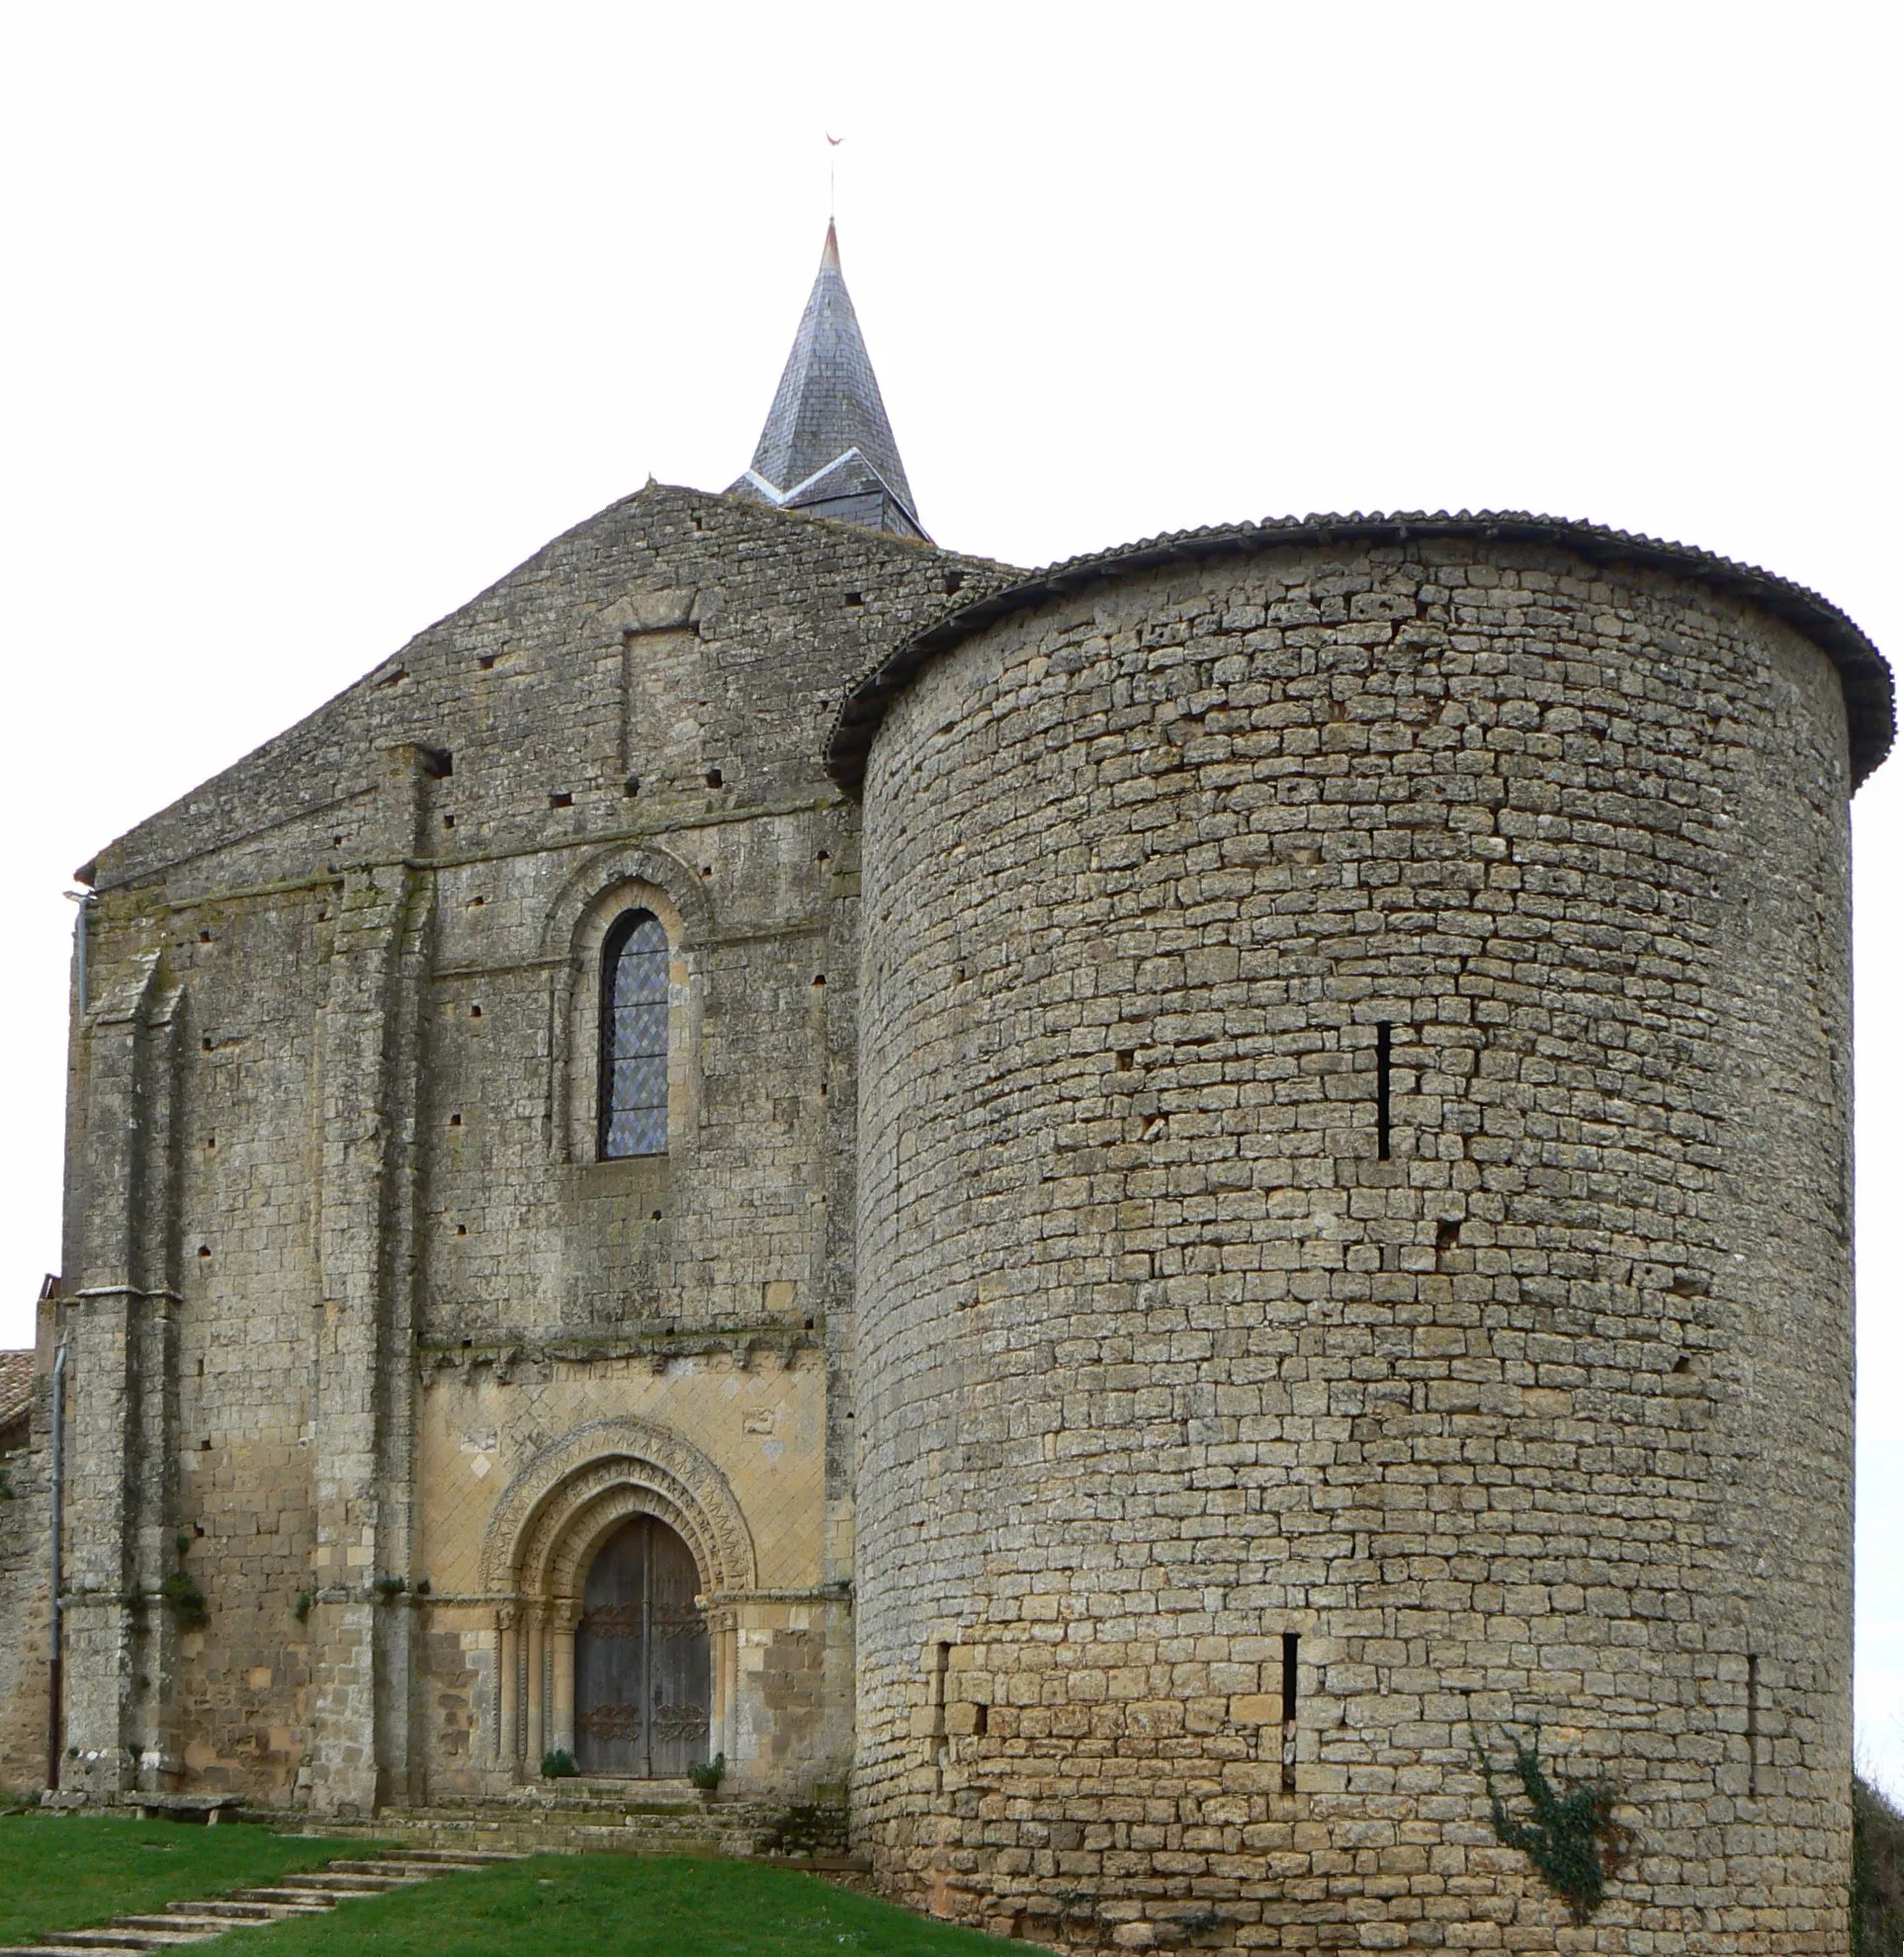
column 542, row 1552
column 642, row 1685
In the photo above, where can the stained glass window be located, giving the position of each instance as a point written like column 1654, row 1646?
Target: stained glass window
column 634, row 1061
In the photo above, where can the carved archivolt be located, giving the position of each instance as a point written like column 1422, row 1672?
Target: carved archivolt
column 568, row 1500
column 569, row 1567
column 551, row 1547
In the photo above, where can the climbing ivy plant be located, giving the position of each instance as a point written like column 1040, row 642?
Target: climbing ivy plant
column 186, row 1599
column 1567, row 1831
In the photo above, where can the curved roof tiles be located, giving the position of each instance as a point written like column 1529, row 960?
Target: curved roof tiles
column 1862, row 668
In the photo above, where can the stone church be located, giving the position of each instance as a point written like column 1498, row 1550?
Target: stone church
column 1122, row 1218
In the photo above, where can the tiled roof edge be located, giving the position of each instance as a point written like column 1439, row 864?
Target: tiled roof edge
column 1867, row 677
column 16, row 1385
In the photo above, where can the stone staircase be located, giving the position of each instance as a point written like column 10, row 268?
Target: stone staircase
column 584, row 1817
column 307, row 1894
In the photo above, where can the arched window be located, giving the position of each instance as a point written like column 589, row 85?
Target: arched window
column 634, row 1037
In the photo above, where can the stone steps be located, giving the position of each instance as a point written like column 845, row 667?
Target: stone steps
column 124, row 1934
column 313, row 1893
column 222, row 1909
column 186, row 1917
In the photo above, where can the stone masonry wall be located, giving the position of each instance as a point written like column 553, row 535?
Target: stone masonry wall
column 1169, row 1374
column 331, row 1160
column 23, row 1607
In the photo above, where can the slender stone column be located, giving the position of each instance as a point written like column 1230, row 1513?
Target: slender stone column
column 535, row 1748
column 508, row 1661
column 723, row 1639
column 562, row 1631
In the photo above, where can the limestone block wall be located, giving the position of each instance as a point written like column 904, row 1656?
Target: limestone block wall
column 757, row 1414
column 243, row 1485
column 1354, row 1251
column 25, row 1588
column 330, row 1167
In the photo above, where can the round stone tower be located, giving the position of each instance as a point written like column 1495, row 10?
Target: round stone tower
column 1355, row 1259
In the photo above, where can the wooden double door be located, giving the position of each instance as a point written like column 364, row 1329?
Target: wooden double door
column 642, row 1685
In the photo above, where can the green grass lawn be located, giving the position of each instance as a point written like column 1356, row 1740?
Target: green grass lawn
column 617, row 1905
column 64, row 1872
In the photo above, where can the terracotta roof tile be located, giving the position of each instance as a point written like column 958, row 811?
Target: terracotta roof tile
column 16, row 1386
column 1865, row 675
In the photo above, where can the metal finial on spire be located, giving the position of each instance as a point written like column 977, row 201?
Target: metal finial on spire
column 832, row 178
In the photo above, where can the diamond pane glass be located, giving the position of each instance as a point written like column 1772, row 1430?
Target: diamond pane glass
column 634, row 1037
column 641, row 968
column 640, row 1029
column 641, row 1083
column 636, row 1132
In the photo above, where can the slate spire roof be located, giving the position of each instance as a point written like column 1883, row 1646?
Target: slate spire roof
column 827, row 447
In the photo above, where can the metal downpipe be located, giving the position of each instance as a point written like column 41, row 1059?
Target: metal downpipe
column 54, row 1683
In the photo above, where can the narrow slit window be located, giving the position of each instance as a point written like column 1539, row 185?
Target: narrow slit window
column 1384, row 1048
column 1752, row 1724
column 634, row 1037
column 1291, row 1654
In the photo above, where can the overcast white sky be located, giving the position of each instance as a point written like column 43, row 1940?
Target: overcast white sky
column 319, row 320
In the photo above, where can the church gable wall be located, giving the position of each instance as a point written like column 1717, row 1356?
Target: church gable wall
column 673, row 636
column 351, row 975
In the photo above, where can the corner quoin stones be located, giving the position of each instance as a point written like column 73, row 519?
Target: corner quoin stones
column 1173, row 1364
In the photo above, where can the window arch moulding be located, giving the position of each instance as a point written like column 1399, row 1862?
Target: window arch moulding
column 595, row 902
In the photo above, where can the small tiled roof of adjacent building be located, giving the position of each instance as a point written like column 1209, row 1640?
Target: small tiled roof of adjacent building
column 827, row 447
column 16, row 1389
column 1863, row 670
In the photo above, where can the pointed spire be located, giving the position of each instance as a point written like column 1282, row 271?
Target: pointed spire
column 827, row 447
